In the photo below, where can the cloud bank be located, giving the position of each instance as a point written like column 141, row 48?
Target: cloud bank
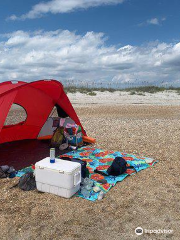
column 67, row 56
column 62, row 6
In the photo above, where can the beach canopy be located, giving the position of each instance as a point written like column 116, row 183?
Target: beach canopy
column 38, row 100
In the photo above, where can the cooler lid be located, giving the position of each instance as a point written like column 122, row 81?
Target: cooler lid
column 59, row 165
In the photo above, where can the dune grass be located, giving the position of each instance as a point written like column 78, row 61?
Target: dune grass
column 88, row 91
column 133, row 91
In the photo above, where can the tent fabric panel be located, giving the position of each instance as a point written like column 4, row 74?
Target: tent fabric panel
column 18, row 132
column 51, row 88
column 5, row 104
column 37, row 105
column 5, row 87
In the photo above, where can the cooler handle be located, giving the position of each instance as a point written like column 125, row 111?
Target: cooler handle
column 77, row 178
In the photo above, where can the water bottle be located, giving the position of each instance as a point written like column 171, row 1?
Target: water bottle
column 52, row 155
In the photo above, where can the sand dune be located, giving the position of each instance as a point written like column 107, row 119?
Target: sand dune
column 118, row 97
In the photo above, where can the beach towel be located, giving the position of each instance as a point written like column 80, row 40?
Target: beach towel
column 102, row 160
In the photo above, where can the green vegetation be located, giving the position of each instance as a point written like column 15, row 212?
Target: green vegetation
column 132, row 93
column 134, row 90
column 137, row 93
column 147, row 89
column 70, row 89
column 92, row 94
column 175, row 89
column 86, row 90
column 141, row 94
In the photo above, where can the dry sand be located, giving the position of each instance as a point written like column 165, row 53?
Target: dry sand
column 149, row 199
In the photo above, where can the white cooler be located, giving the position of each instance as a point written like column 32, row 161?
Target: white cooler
column 62, row 178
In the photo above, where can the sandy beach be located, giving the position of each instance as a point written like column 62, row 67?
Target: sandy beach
column 143, row 125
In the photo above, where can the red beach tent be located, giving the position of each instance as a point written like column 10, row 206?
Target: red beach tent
column 37, row 99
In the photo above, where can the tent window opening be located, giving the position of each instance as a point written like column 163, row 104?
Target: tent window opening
column 17, row 115
column 57, row 111
column 54, row 112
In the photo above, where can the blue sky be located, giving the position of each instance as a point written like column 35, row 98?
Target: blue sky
column 118, row 41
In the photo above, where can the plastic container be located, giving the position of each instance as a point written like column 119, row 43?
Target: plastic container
column 62, row 178
column 52, row 155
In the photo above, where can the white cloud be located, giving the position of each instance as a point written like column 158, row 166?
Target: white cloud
column 153, row 21
column 64, row 55
column 62, row 6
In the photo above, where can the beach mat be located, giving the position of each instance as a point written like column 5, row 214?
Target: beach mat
column 101, row 160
